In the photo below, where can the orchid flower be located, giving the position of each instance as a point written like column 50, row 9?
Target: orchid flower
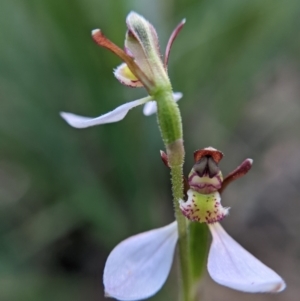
column 138, row 267
column 142, row 67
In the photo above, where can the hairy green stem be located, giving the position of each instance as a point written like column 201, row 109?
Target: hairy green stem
column 169, row 121
column 183, row 245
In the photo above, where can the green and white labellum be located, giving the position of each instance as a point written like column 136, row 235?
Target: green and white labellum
column 203, row 208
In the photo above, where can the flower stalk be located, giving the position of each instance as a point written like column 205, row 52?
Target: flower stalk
column 169, row 121
column 170, row 124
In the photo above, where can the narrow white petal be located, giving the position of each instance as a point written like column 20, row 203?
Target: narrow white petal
column 150, row 107
column 116, row 115
column 229, row 264
column 138, row 267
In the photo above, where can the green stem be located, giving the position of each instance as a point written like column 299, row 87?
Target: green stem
column 183, row 236
column 169, row 121
column 198, row 247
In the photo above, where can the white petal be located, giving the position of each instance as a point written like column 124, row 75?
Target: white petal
column 150, row 107
column 116, row 115
column 229, row 264
column 138, row 267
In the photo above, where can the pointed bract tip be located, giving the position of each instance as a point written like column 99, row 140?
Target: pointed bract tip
column 183, row 21
column 171, row 41
column 164, row 158
column 250, row 161
column 95, row 31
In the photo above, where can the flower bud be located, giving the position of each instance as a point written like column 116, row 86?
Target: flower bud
column 142, row 43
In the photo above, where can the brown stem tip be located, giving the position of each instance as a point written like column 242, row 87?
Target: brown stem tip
column 164, row 158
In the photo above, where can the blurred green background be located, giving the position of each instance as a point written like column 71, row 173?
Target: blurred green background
column 68, row 196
